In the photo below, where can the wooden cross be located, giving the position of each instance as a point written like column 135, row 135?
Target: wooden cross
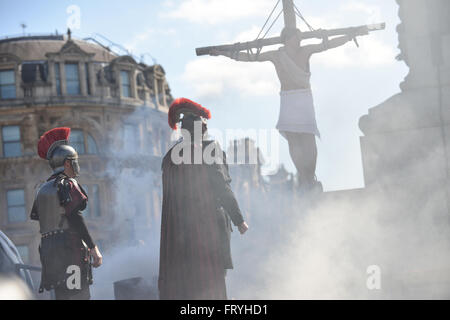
column 290, row 23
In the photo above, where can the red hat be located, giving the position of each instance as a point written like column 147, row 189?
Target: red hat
column 183, row 105
column 51, row 139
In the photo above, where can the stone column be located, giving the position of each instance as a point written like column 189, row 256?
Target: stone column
column 92, row 79
column 82, row 78
column 18, row 81
column 133, row 87
column 51, row 77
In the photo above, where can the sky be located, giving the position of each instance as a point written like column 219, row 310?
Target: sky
column 346, row 81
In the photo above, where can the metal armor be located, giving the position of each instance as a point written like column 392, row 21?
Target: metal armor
column 51, row 213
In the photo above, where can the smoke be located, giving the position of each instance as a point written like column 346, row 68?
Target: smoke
column 320, row 246
column 389, row 240
column 134, row 172
column 326, row 246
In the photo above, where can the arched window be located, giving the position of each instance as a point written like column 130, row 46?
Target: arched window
column 83, row 142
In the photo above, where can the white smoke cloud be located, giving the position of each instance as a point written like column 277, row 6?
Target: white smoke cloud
column 135, row 211
column 322, row 248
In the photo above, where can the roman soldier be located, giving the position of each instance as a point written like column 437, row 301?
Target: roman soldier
column 66, row 245
column 197, row 211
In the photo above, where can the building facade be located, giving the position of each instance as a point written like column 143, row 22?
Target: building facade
column 117, row 110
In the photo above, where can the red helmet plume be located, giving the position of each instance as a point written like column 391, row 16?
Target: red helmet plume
column 183, row 105
column 51, row 139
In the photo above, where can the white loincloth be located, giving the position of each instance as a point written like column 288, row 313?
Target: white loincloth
column 297, row 112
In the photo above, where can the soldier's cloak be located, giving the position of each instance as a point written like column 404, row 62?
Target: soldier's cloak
column 195, row 225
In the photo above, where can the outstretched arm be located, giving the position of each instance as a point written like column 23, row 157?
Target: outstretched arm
column 242, row 56
column 328, row 44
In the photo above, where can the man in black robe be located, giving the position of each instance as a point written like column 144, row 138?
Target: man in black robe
column 198, row 208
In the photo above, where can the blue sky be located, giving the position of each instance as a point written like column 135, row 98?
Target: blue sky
column 346, row 81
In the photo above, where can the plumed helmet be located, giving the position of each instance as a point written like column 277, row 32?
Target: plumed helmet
column 54, row 147
column 189, row 109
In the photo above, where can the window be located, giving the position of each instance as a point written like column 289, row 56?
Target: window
column 86, row 210
column 11, row 141
column 15, row 200
column 24, row 253
column 7, row 84
column 58, row 78
column 77, row 141
column 93, row 208
column 72, row 79
column 83, row 142
column 95, row 201
column 130, row 138
column 91, row 145
column 125, row 80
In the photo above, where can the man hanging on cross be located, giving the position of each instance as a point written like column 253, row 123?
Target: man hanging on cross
column 296, row 121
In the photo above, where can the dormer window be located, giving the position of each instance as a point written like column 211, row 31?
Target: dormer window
column 125, row 83
column 7, row 84
column 72, row 79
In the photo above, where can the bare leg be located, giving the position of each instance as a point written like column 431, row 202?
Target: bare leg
column 303, row 151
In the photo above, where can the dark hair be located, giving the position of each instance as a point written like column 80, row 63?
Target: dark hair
column 288, row 33
column 188, row 120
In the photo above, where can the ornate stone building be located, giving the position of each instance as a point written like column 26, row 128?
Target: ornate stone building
column 117, row 109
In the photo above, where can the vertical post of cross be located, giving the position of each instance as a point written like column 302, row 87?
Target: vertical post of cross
column 289, row 14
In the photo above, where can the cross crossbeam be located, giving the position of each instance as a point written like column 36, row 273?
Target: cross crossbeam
column 290, row 23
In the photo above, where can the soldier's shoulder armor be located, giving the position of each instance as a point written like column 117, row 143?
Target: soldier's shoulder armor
column 58, row 187
column 48, row 207
column 48, row 187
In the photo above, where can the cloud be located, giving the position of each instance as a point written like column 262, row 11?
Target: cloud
column 371, row 12
column 247, row 35
column 218, row 11
column 372, row 53
column 214, row 76
column 138, row 41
